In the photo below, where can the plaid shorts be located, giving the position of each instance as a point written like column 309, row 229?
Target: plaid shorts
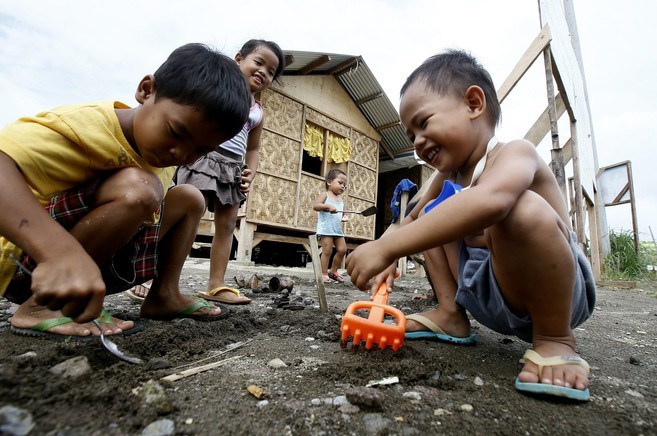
column 133, row 264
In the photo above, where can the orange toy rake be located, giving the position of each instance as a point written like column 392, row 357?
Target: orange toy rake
column 372, row 330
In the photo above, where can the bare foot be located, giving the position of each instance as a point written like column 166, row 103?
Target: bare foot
column 569, row 376
column 30, row 314
column 454, row 324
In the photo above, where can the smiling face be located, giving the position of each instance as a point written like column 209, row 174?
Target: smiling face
column 165, row 133
column 440, row 126
column 258, row 67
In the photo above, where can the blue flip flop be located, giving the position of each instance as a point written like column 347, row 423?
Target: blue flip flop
column 552, row 390
column 435, row 333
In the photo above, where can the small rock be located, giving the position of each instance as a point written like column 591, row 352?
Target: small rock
column 478, row 381
column 466, row 407
column 412, row 395
column 25, row 356
column 634, row 393
column 635, row 361
column 163, row 427
column 460, row 377
column 15, row 421
column 340, row 400
column 315, row 347
column 316, row 402
column 72, row 368
column 349, row 409
column 376, row 423
column 262, row 403
column 365, row 398
column 309, row 339
column 158, row 363
column 154, row 398
column 441, row 412
column 276, row 363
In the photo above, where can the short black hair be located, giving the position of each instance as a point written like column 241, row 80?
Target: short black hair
column 252, row 44
column 333, row 174
column 199, row 76
column 453, row 72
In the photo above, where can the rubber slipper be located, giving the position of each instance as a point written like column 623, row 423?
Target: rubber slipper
column 436, row 333
column 40, row 330
column 188, row 312
column 337, row 277
column 130, row 293
column 549, row 390
column 215, row 295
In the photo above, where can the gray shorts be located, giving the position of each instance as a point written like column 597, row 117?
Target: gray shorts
column 479, row 293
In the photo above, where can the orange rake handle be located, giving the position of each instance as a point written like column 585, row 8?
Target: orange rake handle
column 372, row 329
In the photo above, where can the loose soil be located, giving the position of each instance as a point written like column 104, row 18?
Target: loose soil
column 442, row 389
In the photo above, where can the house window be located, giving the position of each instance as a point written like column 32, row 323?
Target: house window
column 320, row 145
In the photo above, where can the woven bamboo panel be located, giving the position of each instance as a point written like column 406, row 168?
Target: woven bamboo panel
column 279, row 155
column 358, row 225
column 326, row 122
column 361, row 182
column 365, row 150
column 311, row 187
column 282, row 114
column 272, row 199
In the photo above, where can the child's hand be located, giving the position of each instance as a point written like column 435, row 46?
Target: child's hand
column 247, row 179
column 345, row 218
column 365, row 262
column 70, row 283
column 332, row 209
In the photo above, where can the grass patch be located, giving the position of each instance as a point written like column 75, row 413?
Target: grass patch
column 625, row 263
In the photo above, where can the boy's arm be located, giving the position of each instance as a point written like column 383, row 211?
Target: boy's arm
column 65, row 278
column 432, row 191
column 252, row 157
column 320, row 206
column 509, row 175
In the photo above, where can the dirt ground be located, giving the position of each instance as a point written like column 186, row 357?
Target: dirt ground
column 320, row 389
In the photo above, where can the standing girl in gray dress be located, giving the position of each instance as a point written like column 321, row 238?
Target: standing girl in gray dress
column 329, row 224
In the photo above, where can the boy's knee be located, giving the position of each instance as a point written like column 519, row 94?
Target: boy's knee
column 189, row 197
column 530, row 215
column 135, row 187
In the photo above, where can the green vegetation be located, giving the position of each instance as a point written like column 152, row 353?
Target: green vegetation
column 624, row 263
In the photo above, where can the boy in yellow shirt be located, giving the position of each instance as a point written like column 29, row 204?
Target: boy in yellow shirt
column 501, row 248
column 85, row 198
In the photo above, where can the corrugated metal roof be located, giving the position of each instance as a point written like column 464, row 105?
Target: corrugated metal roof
column 353, row 74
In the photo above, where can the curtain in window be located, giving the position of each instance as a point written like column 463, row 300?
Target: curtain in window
column 339, row 149
column 313, row 141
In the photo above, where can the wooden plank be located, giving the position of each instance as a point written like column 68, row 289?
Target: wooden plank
column 317, row 268
column 542, row 125
column 261, row 236
column 315, row 64
column 537, row 46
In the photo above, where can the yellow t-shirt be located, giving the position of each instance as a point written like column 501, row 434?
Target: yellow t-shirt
column 63, row 148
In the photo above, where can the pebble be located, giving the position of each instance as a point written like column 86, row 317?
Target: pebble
column 478, row 381
column 15, row 421
column 349, row 408
column 366, row 398
column 72, row 368
column 635, row 361
column 262, row 403
column 309, row 339
column 314, row 347
column 276, row 363
column 154, row 397
column 158, row 363
column 25, row 356
column 315, row 402
column 412, row 395
column 162, row 427
column 376, row 423
column 634, row 393
column 466, row 407
column 340, row 400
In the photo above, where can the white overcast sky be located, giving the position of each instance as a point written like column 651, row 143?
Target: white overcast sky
column 59, row 52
